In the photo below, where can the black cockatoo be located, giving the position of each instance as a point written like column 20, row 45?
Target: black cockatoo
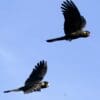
column 74, row 23
column 34, row 82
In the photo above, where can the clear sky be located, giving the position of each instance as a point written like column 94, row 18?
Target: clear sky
column 73, row 67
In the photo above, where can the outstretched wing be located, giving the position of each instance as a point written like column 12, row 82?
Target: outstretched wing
column 73, row 19
column 38, row 73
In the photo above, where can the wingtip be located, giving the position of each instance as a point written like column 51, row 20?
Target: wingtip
column 44, row 62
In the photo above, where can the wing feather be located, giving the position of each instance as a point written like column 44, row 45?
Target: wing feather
column 73, row 19
column 38, row 73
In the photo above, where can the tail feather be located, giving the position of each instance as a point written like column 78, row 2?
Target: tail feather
column 14, row 90
column 56, row 39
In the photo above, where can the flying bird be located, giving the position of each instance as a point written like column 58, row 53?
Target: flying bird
column 73, row 24
column 34, row 82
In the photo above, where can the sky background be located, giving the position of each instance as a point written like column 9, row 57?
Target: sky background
column 73, row 67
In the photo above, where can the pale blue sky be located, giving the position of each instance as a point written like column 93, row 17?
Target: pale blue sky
column 73, row 67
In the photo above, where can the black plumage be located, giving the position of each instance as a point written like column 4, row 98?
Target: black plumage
column 73, row 24
column 34, row 82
